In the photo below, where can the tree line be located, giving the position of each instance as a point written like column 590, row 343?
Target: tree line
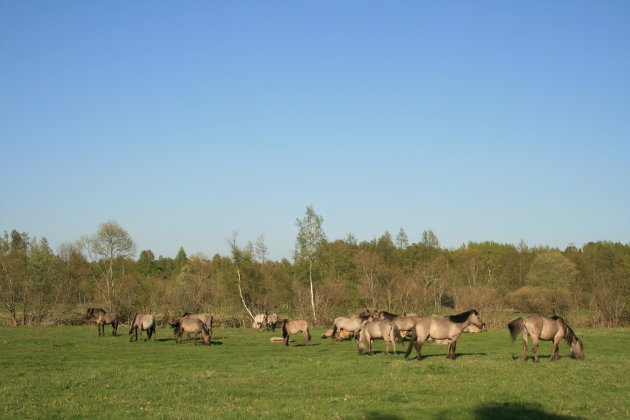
column 324, row 278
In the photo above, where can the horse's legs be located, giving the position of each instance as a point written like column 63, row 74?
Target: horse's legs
column 556, row 342
column 535, row 348
column 524, row 345
column 418, row 346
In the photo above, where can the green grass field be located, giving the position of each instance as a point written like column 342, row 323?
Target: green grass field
column 69, row 372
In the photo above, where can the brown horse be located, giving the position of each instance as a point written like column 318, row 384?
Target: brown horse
column 449, row 327
column 144, row 323
column 103, row 318
column 386, row 330
column 294, row 327
column 546, row 329
column 191, row 325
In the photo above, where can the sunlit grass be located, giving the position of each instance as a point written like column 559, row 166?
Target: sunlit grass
column 69, row 372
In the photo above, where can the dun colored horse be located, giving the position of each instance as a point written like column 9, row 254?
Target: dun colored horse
column 386, row 330
column 272, row 321
column 206, row 318
column 294, row 327
column 352, row 325
column 259, row 321
column 449, row 327
column 386, row 316
column 102, row 318
column 144, row 323
column 191, row 325
column 546, row 329
column 406, row 323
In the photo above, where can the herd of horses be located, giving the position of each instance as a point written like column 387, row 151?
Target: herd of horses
column 365, row 327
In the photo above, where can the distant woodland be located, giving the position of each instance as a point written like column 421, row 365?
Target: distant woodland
column 324, row 278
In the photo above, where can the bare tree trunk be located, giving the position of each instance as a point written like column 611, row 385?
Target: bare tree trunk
column 310, row 278
column 240, row 292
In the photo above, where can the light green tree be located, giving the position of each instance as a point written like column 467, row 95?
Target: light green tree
column 108, row 247
column 309, row 238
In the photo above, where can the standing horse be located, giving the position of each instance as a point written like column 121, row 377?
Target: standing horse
column 103, row 318
column 449, row 327
column 546, row 329
column 353, row 325
column 206, row 318
column 144, row 323
column 259, row 321
column 406, row 323
column 386, row 316
column 294, row 327
column 191, row 325
column 386, row 330
column 272, row 321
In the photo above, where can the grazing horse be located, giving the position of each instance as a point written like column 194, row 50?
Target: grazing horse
column 546, row 329
column 103, row 318
column 259, row 321
column 204, row 317
column 191, row 325
column 352, row 325
column 294, row 327
column 272, row 321
column 449, row 327
column 386, row 316
column 386, row 330
column 144, row 323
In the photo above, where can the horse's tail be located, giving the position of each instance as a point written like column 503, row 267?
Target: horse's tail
column 396, row 333
column 414, row 337
column 285, row 333
column 516, row 327
column 334, row 331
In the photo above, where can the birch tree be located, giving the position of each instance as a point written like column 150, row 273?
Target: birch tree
column 309, row 238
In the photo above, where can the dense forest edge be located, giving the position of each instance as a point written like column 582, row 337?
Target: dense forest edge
column 325, row 279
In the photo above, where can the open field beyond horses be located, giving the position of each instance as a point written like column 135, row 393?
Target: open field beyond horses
column 69, row 372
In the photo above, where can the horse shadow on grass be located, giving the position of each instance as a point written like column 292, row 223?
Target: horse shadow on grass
column 511, row 411
column 377, row 415
column 443, row 355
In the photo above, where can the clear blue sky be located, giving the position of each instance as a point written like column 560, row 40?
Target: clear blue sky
column 186, row 121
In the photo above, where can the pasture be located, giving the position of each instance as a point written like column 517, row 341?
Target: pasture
column 69, row 372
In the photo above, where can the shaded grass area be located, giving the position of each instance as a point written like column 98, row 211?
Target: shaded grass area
column 69, row 372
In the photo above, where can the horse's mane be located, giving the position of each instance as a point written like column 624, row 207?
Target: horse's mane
column 463, row 317
column 570, row 336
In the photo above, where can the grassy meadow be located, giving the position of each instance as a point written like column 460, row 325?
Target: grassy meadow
column 69, row 372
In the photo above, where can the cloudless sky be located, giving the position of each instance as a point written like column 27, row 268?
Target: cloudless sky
column 186, row 121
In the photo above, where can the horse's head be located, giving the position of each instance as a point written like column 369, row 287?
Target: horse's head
column 577, row 349
column 91, row 314
column 475, row 319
